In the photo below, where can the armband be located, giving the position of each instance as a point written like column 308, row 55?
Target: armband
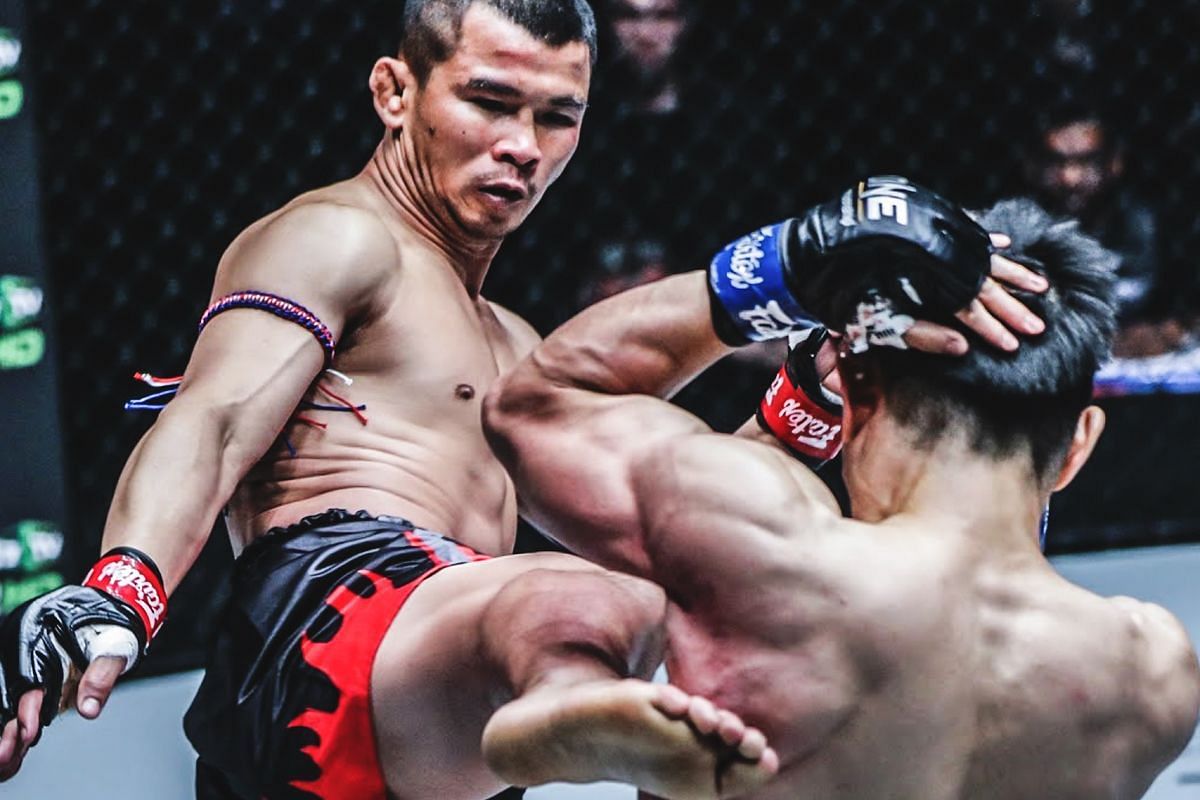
column 280, row 307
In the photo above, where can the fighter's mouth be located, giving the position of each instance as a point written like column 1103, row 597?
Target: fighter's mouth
column 510, row 192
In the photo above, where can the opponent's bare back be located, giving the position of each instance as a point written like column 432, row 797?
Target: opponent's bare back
column 923, row 650
column 928, row 657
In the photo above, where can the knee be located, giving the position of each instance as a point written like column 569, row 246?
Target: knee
column 612, row 619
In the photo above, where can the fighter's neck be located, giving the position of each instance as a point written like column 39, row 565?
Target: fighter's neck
column 392, row 174
column 951, row 487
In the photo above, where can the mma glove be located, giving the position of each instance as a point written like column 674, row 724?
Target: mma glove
column 116, row 612
column 778, row 279
column 797, row 408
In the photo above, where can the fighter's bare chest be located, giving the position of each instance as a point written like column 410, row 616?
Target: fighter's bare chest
column 452, row 350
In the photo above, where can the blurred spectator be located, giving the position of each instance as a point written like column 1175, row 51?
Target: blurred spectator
column 646, row 36
column 665, row 189
column 1079, row 170
column 622, row 264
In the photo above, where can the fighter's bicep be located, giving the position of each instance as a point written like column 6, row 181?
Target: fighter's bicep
column 282, row 299
column 245, row 351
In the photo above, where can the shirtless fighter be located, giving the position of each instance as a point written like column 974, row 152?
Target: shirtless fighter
column 350, row 664
column 923, row 648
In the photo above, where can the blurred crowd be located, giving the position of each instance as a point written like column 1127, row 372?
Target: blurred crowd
column 662, row 130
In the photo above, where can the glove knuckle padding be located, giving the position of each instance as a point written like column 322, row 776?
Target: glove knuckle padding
column 924, row 247
column 883, row 235
column 41, row 639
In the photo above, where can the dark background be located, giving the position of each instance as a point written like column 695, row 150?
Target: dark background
column 166, row 127
column 32, row 502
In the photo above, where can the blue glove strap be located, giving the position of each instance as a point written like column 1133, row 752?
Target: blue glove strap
column 747, row 280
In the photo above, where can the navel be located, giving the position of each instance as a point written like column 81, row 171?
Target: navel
column 464, row 391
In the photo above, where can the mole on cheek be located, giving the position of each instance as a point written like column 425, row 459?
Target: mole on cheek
column 464, row 391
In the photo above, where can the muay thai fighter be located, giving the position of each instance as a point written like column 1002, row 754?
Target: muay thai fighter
column 922, row 648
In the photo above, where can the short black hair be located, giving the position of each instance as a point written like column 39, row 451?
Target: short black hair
column 1007, row 402
column 432, row 28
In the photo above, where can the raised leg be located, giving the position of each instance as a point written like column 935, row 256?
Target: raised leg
column 577, row 647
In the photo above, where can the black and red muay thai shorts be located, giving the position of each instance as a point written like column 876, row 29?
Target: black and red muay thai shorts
column 283, row 712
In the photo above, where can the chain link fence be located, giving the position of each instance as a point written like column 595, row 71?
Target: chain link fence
column 166, row 128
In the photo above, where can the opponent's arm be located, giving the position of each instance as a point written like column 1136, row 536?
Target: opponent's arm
column 573, row 422
column 247, row 373
column 602, row 464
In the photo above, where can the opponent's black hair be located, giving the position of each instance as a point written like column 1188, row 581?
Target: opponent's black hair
column 1005, row 402
column 432, row 28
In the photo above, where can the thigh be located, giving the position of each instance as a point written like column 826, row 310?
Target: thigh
column 472, row 635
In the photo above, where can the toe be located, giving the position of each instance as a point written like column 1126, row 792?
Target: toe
column 703, row 715
column 730, row 728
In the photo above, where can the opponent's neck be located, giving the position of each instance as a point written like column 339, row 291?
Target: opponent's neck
column 396, row 176
column 951, row 486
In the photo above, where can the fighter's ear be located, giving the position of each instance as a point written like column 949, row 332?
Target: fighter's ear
column 1087, row 432
column 391, row 84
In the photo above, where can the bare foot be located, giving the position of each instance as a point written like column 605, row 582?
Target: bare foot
column 655, row 736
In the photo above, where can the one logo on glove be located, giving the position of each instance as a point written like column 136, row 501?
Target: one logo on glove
column 746, row 258
column 798, row 421
column 126, row 578
column 876, row 198
column 769, row 321
column 807, row 429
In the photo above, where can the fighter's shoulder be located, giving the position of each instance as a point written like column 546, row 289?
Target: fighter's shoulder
column 721, row 474
column 1165, row 663
column 322, row 234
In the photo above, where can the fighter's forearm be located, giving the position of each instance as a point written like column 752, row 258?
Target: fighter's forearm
column 649, row 340
column 173, row 486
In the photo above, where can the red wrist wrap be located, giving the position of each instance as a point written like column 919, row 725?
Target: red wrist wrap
column 800, row 422
column 128, row 578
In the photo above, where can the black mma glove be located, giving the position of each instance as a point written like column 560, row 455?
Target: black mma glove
column 797, row 409
column 779, row 278
column 116, row 612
